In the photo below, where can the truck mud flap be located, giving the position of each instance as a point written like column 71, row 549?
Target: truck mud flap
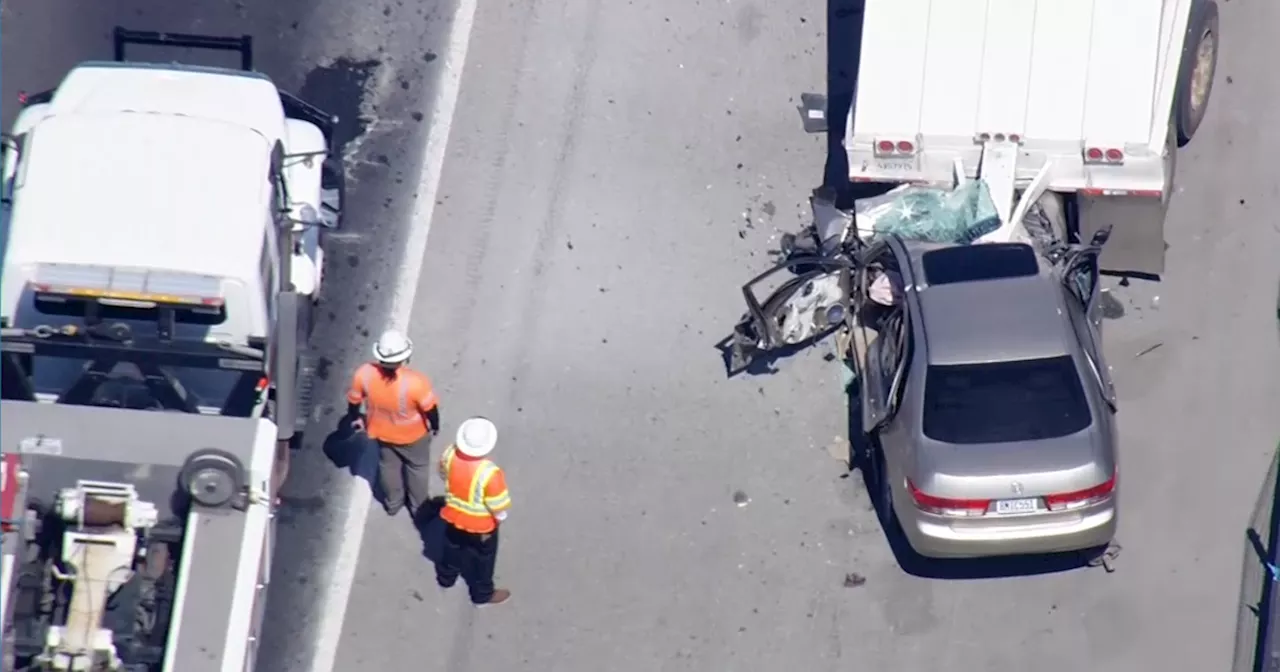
column 308, row 367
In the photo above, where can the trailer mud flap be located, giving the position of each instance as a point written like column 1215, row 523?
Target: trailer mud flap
column 1136, row 245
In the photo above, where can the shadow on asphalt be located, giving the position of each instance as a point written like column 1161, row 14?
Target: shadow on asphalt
column 844, row 53
column 765, row 363
column 431, row 528
column 354, row 452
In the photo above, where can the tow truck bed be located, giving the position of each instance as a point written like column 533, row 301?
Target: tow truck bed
column 217, row 572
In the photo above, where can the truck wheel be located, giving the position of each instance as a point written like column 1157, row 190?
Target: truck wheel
column 1195, row 75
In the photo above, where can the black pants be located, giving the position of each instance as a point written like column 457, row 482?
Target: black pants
column 471, row 556
column 402, row 468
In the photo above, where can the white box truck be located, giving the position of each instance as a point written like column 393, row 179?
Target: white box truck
column 1084, row 100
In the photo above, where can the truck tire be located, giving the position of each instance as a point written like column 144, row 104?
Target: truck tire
column 1196, row 73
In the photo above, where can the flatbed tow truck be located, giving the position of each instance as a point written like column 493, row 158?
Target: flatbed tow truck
column 162, row 252
column 1050, row 123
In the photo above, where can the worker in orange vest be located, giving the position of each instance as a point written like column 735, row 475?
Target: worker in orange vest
column 400, row 409
column 475, row 501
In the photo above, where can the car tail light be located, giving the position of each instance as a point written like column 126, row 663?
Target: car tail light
column 944, row 506
column 1080, row 498
column 1103, row 155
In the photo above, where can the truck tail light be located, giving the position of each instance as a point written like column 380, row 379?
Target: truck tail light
column 1103, row 155
column 895, row 148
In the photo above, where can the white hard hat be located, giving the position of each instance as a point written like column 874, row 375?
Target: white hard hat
column 392, row 347
column 476, row 437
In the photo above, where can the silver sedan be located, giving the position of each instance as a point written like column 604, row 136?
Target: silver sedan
column 986, row 398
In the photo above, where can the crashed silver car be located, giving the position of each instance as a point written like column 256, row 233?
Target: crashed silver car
column 983, row 392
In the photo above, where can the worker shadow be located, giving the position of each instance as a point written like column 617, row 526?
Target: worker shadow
column 354, row 452
column 861, row 449
column 431, row 529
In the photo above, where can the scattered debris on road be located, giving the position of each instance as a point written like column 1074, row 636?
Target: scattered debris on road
column 1148, row 350
column 854, row 580
column 740, row 498
column 1107, row 559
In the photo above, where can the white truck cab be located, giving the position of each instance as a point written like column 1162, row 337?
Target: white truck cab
column 187, row 197
column 1084, row 100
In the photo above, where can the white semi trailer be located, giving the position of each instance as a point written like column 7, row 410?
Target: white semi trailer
column 1084, row 100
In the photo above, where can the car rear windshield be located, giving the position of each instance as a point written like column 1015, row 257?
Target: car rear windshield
column 1003, row 402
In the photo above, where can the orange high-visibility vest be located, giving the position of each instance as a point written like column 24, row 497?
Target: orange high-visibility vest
column 394, row 406
column 475, row 490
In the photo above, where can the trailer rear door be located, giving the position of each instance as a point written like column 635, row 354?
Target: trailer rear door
column 938, row 76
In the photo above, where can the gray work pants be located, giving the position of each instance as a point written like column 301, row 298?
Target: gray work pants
column 404, row 468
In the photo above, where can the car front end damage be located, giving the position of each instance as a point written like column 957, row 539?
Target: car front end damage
column 811, row 295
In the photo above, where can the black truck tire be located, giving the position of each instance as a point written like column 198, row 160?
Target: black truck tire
column 1196, row 73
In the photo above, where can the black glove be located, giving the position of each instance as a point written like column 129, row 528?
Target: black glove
column 433, row 419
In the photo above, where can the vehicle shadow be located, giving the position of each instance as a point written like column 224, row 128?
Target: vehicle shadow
column 765, row 363
column 911, row 562
column 844, row 52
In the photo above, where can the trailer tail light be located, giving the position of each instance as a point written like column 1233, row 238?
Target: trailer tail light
column 944, row 506
column 1082, row 498
column 895, row 148
column 983, row 138
column 1102, row 155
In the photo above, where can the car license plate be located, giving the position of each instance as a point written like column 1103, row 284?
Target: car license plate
column 1028, row 505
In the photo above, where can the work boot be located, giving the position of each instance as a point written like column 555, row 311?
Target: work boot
column 499, row 596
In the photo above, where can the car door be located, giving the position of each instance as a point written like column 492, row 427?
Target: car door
column 870, row 337
column 1083, row 284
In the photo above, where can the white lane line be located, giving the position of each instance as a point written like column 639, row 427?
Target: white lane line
column 333, row 606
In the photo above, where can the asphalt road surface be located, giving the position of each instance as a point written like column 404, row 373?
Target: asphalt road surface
column 613, row 173
column 584, row 258
column 374, row 64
